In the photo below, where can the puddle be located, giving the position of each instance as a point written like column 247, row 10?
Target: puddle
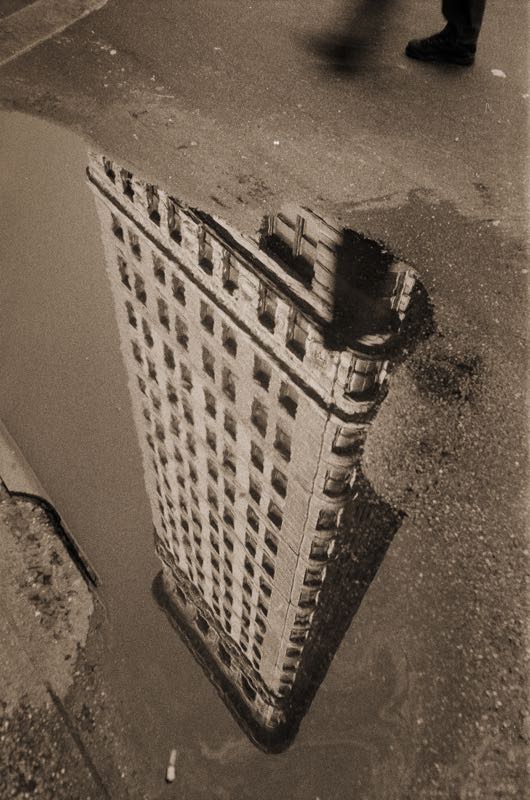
column 164, row 371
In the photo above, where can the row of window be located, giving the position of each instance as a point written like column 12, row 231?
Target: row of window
column 298, row 326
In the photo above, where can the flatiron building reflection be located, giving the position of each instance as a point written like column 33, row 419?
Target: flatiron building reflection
column 254, row 368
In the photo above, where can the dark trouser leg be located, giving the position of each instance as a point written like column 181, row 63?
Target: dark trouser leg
column 464, row 18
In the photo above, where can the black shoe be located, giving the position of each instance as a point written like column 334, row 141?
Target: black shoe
column 442, row 47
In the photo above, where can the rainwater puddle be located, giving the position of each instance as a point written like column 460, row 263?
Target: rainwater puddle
column 161, row 371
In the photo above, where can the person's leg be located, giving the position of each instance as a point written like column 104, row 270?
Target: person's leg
column 464, row 18
column 457, row 43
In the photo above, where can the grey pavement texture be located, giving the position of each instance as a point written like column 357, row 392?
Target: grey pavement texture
column 51, row 697
column 235, row 107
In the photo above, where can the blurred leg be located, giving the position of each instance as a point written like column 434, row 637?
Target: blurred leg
column 464, row 18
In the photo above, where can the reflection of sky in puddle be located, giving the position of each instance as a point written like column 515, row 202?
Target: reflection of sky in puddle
column 64, row 399
column 255, row 367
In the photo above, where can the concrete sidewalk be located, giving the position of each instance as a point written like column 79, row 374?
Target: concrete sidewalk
column 38, row 21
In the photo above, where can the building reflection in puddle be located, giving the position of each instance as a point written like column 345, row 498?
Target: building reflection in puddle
column 255, row 368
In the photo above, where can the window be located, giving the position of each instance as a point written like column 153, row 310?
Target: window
column 275, row 515
column 134, row 243
column 163, row 313
column 247, row 588
column 230, row 425
column 252, row 519
column 155, row 399
column 117, row 229
column 271, row 541
column 262, row 372
column 228, row 543
column 250, row 544
column 124, row 275
column 230, row 491
column 288, row 398
column 327, row 519
column 336, row 482
column 258, row 416
column 208, row 362
column 267, row 307
column 206, row 251
column 229, row 384
column 188, row 413
column 347, row 441
column 294, row 243
column 256, row 456
column 229, row 460
column 171, row 393
column 139, row 289
column 152, row 203
column 282, row 443
column 137, row 352
column 209, row 403
column 181, row 330
column 151, row 370
column 363, row 376
column 230, row 273
column 206, row 315
column 126, row 184
column 131, row 315
column 254, row 489
column 212, row 498
column 109, row 172
column 169, row 357
column 185, row 375
column 297, row 334
column 263, row 608
column 147, row 334
column 249, row 568
column 279, row 482
column 179, row 291
column 159, row 270
column 190, row 443
column 159, row 431
column 313, row 577
column 211, row 440
column 319, row 550
column 212, row 470
column 173, row 220
column 265, row 588
column 229, row 340
column 228, row 517
column 177, row 456
column 141, row 384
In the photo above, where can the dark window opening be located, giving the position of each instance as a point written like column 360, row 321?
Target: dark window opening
column 267, row 308
column 173, row 221
column 126, row 183
column 179, row 292
column 163, row 313
column 206, row 252
column 152, row 203
column 297, row 335
column 279, row 482
column 229, row 340
column 288, row 399
column 256, row 456
column 262, row 372
column 109, row 172
column 206, row 315
column 230, row 273
column 258, row 416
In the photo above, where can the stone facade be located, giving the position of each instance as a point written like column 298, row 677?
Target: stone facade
column 250, row 425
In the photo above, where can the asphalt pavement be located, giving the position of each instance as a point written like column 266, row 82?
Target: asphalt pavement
column 238, row 106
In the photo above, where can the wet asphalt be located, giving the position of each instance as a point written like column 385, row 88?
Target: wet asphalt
column 238, row 106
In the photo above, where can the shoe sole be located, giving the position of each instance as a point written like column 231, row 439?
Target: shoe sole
column 462, row 61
